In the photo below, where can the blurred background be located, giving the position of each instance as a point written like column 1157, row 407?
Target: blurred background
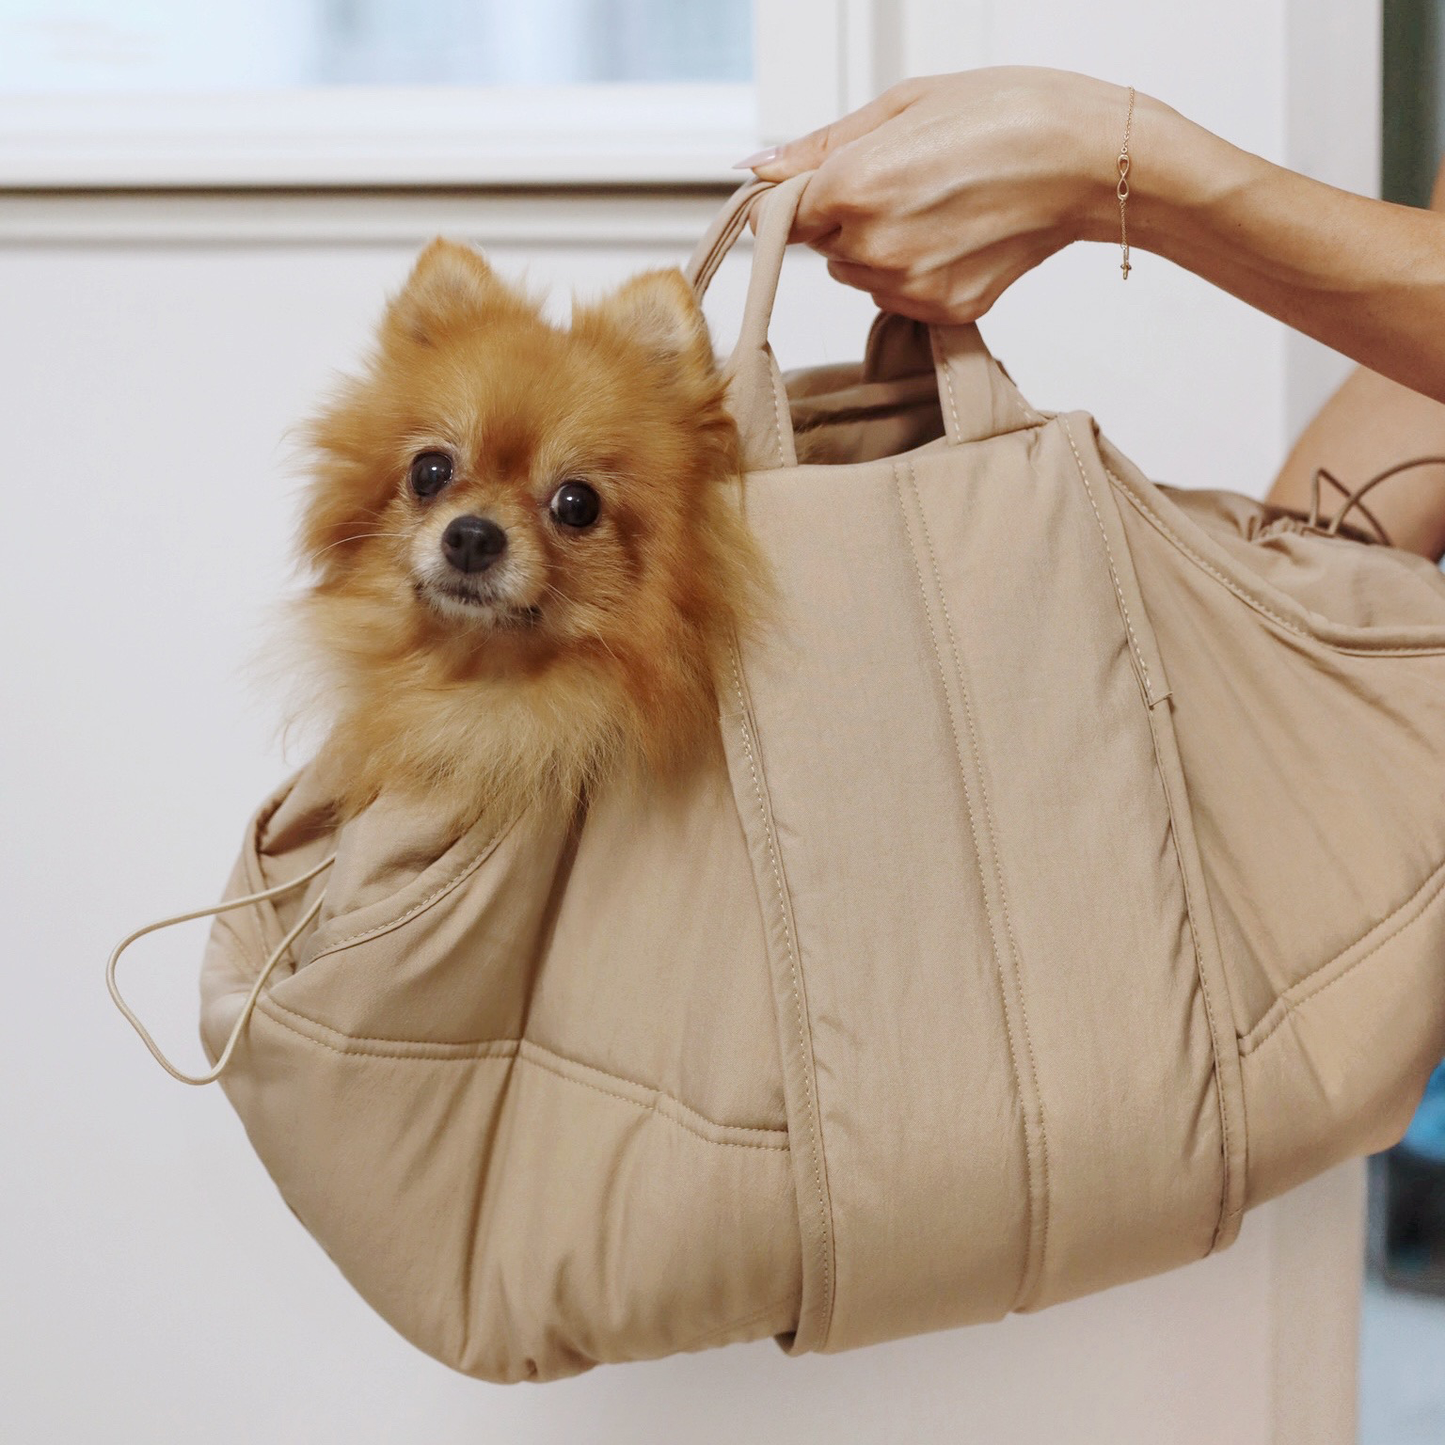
column 169, row 45
column 202, row 209
column 1403, row 1360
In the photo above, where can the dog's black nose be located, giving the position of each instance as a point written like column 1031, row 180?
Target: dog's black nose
column 472, row 544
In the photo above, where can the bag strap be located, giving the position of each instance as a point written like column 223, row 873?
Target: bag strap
column 757, row 397
column 721, row 235
column 977, row 397
column 249, row 1007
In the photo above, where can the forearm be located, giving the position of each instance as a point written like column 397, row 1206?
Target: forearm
column 1369, row 425
column 1364, row 277
column 941, row 193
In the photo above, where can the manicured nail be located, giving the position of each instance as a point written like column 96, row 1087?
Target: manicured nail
column 752, row 162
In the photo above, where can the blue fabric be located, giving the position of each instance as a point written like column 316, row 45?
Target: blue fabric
column 1426, row 1134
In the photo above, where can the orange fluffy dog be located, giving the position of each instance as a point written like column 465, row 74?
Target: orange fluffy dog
column 529, row 562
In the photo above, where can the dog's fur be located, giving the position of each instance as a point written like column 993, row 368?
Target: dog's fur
column 578, row 654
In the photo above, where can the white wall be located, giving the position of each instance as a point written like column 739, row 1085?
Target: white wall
column 1197, row 387
column 152, row 355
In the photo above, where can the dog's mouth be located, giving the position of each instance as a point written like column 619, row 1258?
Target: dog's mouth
column 460, row 601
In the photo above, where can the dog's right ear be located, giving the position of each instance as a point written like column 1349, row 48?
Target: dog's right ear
column 450, row 284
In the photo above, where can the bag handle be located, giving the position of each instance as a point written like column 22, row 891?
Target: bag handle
column 977, row 397
column 249, row 1007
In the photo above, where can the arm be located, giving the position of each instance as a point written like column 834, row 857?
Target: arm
column 942, row 192
column 1365, row 277
column 1369, row 424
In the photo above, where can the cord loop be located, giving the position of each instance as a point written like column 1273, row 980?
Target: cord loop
column 249, row 1007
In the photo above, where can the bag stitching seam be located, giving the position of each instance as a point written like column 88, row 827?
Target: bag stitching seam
column 499, row 1048
column 510, row 1051
column 1225, row 1214
column 1357, row 649
column 365, row 934
column 808, row 1092
column 1033, row 1272
column 775, row 386
column 1024, row 414
column 941, row 363
column 1113, row 570
column 652, row 1107
column 1291, row 1001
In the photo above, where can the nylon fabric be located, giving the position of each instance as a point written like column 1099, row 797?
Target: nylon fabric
column 1067, row 879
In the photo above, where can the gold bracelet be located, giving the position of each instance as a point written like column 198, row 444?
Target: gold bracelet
column 1122, row 189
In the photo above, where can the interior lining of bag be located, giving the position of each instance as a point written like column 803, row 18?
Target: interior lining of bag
column 809, row 420
column 841, row 398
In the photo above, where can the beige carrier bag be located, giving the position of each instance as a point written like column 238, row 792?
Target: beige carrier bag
column 1075, row 880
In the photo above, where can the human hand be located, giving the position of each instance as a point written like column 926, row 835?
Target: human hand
column 941, row 193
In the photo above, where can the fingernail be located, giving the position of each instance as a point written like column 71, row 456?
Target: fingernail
column 760, row 158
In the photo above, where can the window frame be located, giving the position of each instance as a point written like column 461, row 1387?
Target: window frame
column 377, row 136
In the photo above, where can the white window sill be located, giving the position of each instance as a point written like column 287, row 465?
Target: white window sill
column 379, row 137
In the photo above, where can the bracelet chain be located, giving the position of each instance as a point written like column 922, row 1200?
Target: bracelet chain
column 1122, row 189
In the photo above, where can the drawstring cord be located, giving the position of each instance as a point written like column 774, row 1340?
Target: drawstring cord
column 1353, row 498
column 249, row 1007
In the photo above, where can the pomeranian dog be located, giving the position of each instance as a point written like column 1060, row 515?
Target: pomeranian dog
column 528, row 559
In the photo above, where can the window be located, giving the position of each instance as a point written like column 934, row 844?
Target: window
column 374, row 92
column 76, row 46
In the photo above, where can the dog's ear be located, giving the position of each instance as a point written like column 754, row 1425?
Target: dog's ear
column 451, row 283
column 659, row 312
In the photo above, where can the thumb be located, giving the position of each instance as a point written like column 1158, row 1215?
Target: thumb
column 808, row 152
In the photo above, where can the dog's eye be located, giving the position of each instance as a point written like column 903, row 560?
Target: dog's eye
column 575, row 504
column 430, row 472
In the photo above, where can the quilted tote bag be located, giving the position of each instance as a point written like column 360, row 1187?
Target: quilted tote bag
column 1074, row 880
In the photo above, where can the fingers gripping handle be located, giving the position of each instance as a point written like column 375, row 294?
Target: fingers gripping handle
column 977, row 398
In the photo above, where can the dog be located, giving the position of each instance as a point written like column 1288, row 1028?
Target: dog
column 528, row 561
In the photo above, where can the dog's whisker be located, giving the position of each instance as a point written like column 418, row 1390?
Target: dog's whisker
column 597, row 636
column 594, row 633
column 354, row 537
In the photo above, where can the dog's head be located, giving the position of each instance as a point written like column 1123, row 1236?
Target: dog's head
column 524, row 487
column 547, row 512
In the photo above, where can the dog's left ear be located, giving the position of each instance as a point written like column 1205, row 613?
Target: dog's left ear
column 659, row 312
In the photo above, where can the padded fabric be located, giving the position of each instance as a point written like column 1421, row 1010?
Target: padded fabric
column 1069, row 877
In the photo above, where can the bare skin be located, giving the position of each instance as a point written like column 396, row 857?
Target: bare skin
column 1369, row 424
column 945, row 190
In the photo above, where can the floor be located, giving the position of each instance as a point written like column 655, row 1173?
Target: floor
column 1402, row 1368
